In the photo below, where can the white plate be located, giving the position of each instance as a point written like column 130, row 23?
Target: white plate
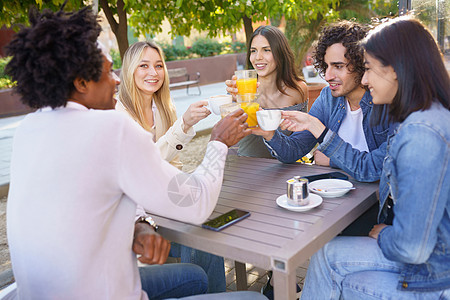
column 323, row 184
column 314, row 200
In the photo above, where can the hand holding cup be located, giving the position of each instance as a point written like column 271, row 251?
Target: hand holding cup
column 268, row 119
column 215, row 102
column 195, row 112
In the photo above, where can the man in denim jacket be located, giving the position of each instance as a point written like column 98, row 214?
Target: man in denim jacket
column 344, row 108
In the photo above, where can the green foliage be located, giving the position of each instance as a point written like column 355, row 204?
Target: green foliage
column 16, row 12
column 364, row 11
column 173, row 52
column 206, row 47
column 301, row 32
column 238, row 47
column 201, row 48
column 117, row 61
column 5, row 80
column 215, row 16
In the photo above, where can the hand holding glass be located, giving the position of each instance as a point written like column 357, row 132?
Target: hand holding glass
column 246, row 81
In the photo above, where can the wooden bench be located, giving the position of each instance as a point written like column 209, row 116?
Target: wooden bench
column 182, row 72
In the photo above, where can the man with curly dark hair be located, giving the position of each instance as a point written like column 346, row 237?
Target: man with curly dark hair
column 338, row 121
column 346, row 34
column 77, row 173
column 339, row 118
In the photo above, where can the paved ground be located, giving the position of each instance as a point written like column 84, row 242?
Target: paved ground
column 256, row 277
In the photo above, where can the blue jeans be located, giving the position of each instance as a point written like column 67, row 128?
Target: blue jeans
column 212, row 265
column 355, row 268
column 229, row 296
column 173, row 280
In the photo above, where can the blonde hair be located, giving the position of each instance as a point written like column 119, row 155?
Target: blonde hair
column 131, row 97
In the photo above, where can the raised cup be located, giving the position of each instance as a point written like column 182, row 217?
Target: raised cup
column 215, row 102
column 269, row 119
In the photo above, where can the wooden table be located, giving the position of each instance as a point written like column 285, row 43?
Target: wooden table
column 272, row 237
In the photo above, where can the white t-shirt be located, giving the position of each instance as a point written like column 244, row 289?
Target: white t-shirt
column 351, row 130
column 77, row 176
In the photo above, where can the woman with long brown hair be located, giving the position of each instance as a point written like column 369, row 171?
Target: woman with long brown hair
column 280, row 86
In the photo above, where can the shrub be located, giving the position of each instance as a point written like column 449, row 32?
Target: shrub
column 172, row 52
column 206, row 47
column 238, row 47
column 5, row 80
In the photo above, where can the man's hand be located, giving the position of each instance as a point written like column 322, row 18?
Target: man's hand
column 321, row 159
column 376, row 230
column 299, row 121
column 267, row 135
column 152, row 247
column 231, row 129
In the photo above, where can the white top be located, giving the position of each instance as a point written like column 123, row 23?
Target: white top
column 167, row 141
column 351, row 130
column 76, row 178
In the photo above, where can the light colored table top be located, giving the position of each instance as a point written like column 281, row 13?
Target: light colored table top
column 272, row 237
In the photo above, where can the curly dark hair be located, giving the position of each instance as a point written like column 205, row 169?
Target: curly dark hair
column 348, row 33
column 51, row 53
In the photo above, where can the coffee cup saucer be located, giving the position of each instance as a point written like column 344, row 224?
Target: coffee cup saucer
column 314, row 201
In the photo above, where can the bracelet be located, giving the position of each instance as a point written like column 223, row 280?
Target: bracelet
column 147, row 220
column 322, row 136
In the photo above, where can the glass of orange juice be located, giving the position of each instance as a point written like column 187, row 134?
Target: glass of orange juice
column 246, row 81
column 250, row 106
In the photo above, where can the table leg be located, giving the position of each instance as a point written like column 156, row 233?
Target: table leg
column 284, row 285
column 241, row 276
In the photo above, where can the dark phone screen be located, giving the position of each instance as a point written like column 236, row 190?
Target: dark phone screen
column 331, row 175
column 226, row 219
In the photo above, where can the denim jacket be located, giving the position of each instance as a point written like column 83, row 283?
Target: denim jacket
column 416, row 174
column 361, row 165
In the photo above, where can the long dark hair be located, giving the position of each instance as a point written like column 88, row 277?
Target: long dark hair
column 408, row 46
column 283, row 56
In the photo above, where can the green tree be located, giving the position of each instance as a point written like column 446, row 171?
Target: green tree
column 16, row 12
column 301, row 32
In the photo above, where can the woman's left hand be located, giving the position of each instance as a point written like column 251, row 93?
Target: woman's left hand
column 197, row 111
column 376, row 230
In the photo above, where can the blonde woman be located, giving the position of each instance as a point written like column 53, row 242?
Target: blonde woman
column 144, row 94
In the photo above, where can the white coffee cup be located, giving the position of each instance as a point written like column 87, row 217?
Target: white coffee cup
column 268, row 119
column 215, row 102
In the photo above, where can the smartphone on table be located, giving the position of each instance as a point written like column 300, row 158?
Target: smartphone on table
column 226, row 219
column 331, row 175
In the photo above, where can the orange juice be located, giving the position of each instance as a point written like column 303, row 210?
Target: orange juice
column 250, row 109
column 246, row 86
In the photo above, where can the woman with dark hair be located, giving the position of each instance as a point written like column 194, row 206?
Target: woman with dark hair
column 405, row 256
column 280, row 87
